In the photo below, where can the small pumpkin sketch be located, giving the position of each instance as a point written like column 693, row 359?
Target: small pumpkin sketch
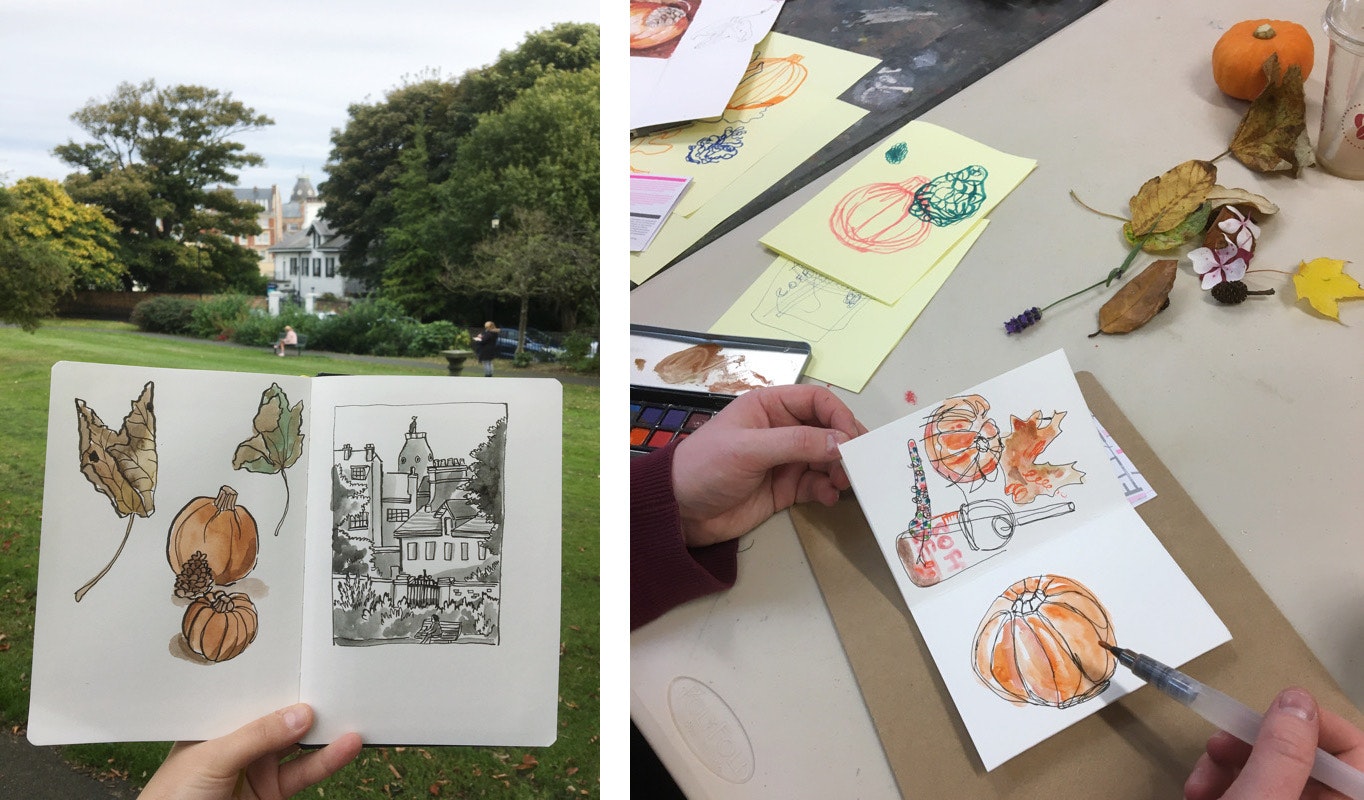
column 1041, row 643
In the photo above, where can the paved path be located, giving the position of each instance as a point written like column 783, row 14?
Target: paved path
column 40, row 773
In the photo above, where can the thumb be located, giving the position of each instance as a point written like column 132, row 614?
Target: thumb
column 269, row 734
column 794, row 444
column 1282, row 756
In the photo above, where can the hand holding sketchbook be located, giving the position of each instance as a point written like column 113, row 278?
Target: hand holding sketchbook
column 1014, row 548
column 386, row 549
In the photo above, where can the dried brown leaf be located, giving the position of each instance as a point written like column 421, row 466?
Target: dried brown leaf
column 1139, row 300
column 1163, row 202
column 1272, row 136
column 121, row 464
column 1222, row 196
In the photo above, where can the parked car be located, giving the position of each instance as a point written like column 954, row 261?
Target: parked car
column 540, row 345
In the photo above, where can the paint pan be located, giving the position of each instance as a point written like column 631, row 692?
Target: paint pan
column 681, row 379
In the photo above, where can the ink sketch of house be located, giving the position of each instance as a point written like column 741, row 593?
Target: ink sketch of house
column 416, row 537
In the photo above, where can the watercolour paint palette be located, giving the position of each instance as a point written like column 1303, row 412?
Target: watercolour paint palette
column 680, row 379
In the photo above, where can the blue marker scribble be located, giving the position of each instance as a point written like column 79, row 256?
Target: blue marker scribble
column 950, row 198
column 721, row 146
column 897, row 153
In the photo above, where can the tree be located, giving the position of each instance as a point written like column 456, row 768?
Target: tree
column 366, row 162
column 80, row 233
column 156, row 153
column 485, row 484
column 34, row 273
column 534, row 259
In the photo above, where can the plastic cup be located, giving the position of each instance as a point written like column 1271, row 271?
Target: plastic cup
column 1340, row 147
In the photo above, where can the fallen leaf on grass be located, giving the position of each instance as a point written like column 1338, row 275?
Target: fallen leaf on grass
column 527, row 762
column 1139, row 300
column 1323, row 282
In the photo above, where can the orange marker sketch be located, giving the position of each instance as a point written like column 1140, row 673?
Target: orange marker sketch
column 1040, row 643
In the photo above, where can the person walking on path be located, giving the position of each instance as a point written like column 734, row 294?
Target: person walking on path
column 485, row 347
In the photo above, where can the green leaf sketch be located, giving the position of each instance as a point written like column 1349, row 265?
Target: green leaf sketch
column 278, row 441
column 120, row 464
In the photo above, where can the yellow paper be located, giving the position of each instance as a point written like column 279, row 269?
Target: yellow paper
column 788, row 81
column 886, row 221
column 850, row 334
column 681, row 232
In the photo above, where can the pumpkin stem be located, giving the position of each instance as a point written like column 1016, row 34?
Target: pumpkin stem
column 226, row 500
column 1265, row 31
column 87, row 587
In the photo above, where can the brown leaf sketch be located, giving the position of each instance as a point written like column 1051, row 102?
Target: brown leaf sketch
column 1139, row 300
column 1164, row 201
column 1025, row 479
column 1040, row 642
column 120, row 464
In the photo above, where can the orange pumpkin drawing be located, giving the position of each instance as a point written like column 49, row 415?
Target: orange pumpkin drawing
column 962, row 443
column 1040, row 643
column 768, row 81
column 878, row 217
column 219, row 528
column 219, row 625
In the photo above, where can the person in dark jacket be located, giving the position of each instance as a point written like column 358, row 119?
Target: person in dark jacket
column 485, row 347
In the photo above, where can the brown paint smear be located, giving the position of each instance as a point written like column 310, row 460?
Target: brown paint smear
column 696, row 363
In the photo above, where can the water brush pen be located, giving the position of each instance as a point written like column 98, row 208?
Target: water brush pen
column 1231, row 715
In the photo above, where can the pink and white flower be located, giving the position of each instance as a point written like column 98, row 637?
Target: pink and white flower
column 1225, row 264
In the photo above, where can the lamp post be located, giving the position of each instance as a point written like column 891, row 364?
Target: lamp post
column 496, row 222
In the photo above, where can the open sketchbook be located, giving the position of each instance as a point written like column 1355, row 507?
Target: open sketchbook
column 1017, row 553
column 384, row 548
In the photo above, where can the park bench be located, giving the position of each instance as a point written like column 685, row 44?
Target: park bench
column 434, row 630
column 297, row 348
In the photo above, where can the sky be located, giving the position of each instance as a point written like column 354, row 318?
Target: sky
column 300, row 63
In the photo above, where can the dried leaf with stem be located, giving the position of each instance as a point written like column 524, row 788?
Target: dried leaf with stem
column 1272, row 136
column 1139, row 300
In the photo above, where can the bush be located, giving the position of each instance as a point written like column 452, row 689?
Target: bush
column 523, row 359
column 165, row 315
column 577, row 346
column 218, row 317
column 259, row 329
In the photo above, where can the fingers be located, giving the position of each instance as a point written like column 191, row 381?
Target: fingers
column 1208, row 781
column 800, row 444
column 269, row 734
column 317, row 766
column 1281, row 760
column 807, row 404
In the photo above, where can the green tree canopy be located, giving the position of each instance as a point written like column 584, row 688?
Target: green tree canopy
column 378, row 188
column 154, row 156
column 34, row 273
column 43, row 211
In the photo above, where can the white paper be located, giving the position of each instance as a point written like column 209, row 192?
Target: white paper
column 1058, row 512
column 652, row 199
column 693, row 75
column 115, row 666
column 1134, row 484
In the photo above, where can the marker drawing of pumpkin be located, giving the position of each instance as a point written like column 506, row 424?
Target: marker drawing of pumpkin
column 1039, row 643
column 962, row 443
column 768, row 81
column 654, row 24
column 880, row 217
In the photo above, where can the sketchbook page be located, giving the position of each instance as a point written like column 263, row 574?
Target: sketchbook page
column 149, row 454
column 849, row 333
column 687, row 57
column 887, row 220
column 1115, row 573
column 981, row 476
column 432, row 606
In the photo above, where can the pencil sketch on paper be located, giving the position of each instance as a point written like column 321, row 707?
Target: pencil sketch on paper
column 1041, row 643
column 734, row 29
column 120, row 464
column 807, row 305
column 964, row 445
column 889, row 217
column 417, row 523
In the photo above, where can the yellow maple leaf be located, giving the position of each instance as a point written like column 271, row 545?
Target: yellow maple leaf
column 1323, row 282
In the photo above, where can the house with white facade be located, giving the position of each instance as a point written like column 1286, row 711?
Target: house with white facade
column 306, row 263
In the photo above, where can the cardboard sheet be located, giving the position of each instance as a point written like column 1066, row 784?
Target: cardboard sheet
column 1149, row 740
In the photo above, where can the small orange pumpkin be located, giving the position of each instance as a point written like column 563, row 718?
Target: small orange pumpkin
column 219, row 626
column 1238, row 57
column 768, row 81
column 1040, row 643
column 653, row 24
column 219, row 528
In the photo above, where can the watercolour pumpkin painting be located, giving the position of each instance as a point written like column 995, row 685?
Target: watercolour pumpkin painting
column 1018, row 556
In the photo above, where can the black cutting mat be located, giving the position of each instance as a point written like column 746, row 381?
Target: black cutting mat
column 929, row 51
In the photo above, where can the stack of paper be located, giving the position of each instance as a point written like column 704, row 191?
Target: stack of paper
column 863, row 258
column 782, row 112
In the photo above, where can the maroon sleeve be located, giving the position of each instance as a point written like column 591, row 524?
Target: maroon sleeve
column 664, row 572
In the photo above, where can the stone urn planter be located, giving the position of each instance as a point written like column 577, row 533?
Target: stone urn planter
column 454, row 359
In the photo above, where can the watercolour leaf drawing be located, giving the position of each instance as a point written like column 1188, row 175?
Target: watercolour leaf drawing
column 120, row 464
column 1025, row 479
column 278, row 441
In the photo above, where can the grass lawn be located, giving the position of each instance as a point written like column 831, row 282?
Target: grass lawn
column 569, row 768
